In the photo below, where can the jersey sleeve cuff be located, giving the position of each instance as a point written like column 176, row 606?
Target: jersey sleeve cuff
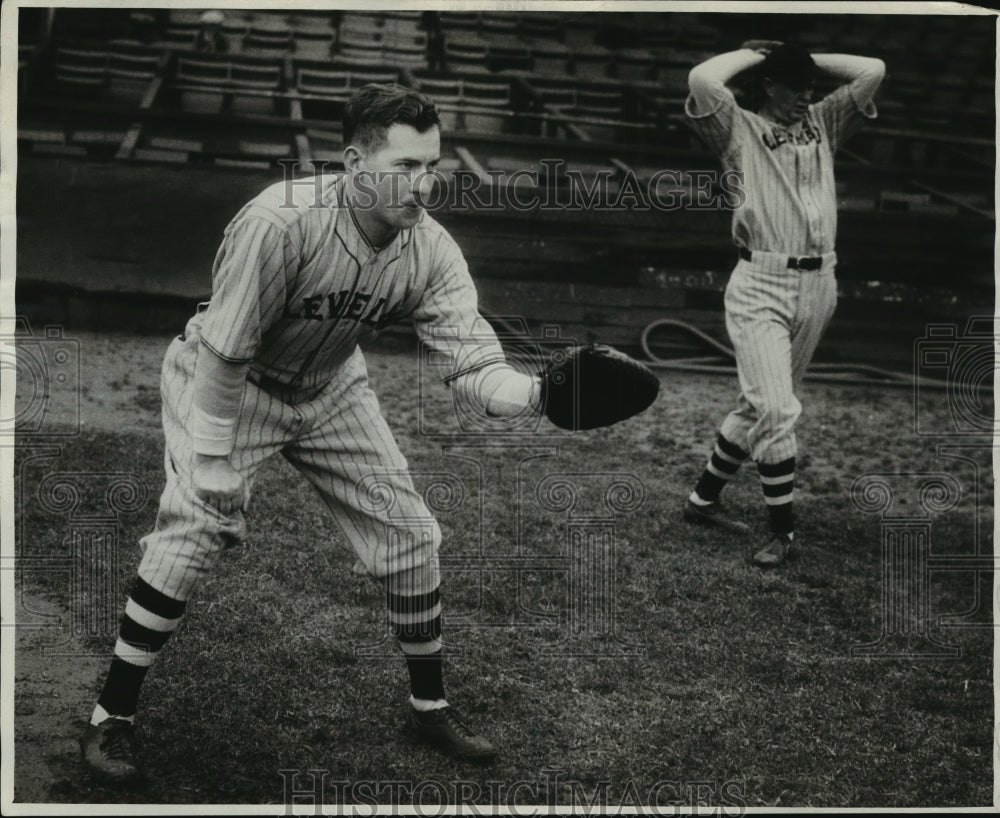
column 448, row 380
column 228, row 358
column 211, row 435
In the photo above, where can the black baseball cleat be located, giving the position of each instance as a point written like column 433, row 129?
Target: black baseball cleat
column 108, row 750
column 445, row 729
column 775, row 551
column 713, row 515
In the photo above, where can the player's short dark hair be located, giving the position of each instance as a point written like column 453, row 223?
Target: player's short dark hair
column 791, row 65
column 374, row 108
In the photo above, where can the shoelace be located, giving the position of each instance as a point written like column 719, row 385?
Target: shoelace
column 117, row 742
column 452, row 718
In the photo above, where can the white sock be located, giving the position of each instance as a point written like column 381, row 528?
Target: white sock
column 423, row 705
column 100, row 714
column 696, row 499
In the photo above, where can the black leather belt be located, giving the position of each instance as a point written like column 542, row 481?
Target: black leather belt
column 808, row 263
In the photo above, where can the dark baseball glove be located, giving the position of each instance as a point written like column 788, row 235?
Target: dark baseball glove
column 585, row 387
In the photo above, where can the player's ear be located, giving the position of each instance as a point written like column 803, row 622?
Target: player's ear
column 352, row 158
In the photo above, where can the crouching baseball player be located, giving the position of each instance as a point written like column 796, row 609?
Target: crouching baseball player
column 271, row 364
column 782, row 292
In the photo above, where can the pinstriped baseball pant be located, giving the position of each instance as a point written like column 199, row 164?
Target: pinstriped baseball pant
column 337, row 439
column 775, row 318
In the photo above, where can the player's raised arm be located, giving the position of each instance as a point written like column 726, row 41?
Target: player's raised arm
column 707, row 80
column 711, row 107
column 852, row 103
column 864, row 74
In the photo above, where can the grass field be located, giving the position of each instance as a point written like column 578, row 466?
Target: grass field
column 681, row 674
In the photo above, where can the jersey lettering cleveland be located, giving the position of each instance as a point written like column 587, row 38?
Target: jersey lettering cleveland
column 791, row 196
column 296, row 286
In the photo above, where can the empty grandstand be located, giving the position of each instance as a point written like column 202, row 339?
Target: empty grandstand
column 139, row 127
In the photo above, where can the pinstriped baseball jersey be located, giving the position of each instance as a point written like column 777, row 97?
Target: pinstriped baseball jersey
column 296, row 286
column 791, row 198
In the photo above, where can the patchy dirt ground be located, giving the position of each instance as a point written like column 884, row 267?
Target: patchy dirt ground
column 113, row 384
column 49, row 673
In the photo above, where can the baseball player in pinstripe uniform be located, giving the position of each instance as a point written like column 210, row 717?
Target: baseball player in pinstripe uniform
column 271, row 364
column 782, row 292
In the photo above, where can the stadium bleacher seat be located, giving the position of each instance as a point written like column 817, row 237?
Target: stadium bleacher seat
column 267, row 41
column 603, row 102
column 452, row 21
column 324, row 83
column 542, row 26
column 245, row 75
column 447, row 96
column 466, row 54
column 580, row 32
column 362, row 74
column 658, row 35
column 82, row 57
column 326, row 145
column 360, row 20
column 227, row 78
column 514, row 171
column 233, row 32
column 361, row 56
column 498, row 24
column 508, row 52
column 591, row 60
column 263, row 148
column 549, row 56
column 274, row 20
column 634, row 64
column 672, row 74
column 406, row 38
column 207, row 72
column 469, row 104
column 605, row 77
column 355, row 35
column 314, row 43
column 406, row 56
column 130, row 72
column 120, row 72
column 185, row 17
column 698, row 35
column 82, row 71
column 479, row 95
column 25, row 52
column 556, row 95
column 311, row 21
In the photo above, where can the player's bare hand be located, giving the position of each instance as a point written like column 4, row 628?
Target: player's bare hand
column 761, row 46
column 218, row 484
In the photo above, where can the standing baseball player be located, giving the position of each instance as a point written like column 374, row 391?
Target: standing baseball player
column 782, row 292
column 271, row 364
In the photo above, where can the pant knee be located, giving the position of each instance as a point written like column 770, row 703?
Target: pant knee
column 779, row 415
column 186, row 542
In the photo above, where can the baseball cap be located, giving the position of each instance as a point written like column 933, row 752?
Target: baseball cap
column 791, row 65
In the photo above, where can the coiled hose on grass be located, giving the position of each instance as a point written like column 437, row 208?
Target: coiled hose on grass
column 853, row 374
